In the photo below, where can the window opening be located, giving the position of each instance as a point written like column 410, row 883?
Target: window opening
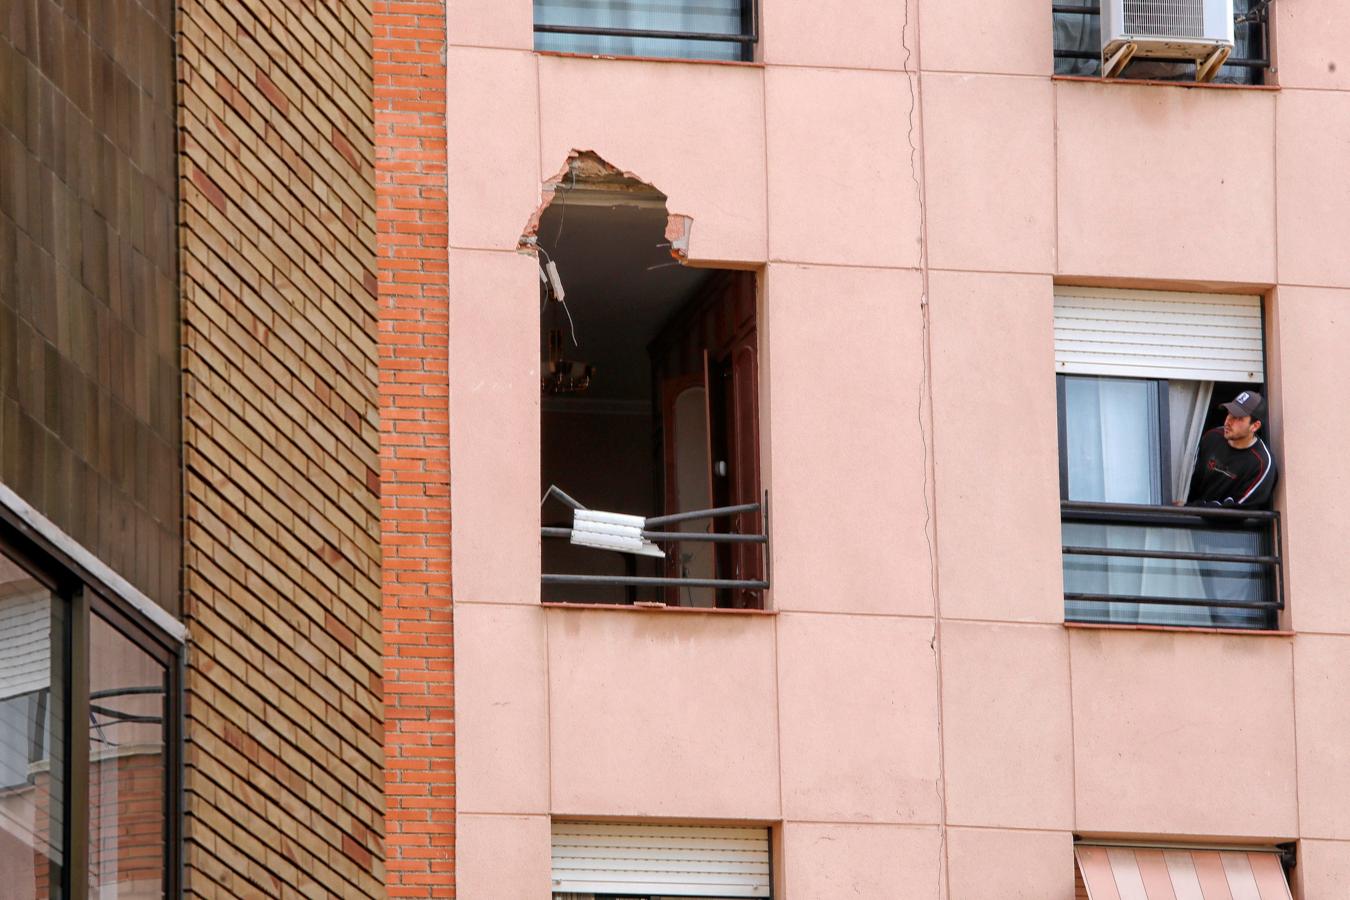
column 1136, row 404
column 1078, row 46
column 650, row 457
column 685, row 29
column 643, row 861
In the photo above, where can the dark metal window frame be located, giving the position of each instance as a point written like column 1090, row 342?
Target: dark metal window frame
column 82, row 597
column 1261, row 23
column 747, row 38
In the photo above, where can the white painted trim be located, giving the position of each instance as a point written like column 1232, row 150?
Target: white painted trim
column 94, row 568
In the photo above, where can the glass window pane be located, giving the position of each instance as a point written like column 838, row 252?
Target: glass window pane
column 127, row 781
column 32, row 745
column 1112, row 439
column 693, row 16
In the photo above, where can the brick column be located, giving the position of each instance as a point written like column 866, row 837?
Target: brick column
column 410, row 93
column 283, row 772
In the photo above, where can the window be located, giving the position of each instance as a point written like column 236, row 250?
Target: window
column 87, row 739
column 650, row 457
column 683, row 29
column 1078, row 46
column 1141, row 376
column 639, row 861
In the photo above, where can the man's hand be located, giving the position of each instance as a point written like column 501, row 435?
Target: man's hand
column 1178, row 502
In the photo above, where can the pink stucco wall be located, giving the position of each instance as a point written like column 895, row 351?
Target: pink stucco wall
column 913, row 711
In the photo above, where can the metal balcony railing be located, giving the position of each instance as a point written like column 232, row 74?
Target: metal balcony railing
column 1168, row 559
column 656, row 532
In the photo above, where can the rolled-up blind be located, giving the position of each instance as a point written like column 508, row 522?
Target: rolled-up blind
column 661, row 860
column 1158, row 334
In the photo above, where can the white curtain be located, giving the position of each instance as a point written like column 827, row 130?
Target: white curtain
column 1112, row 440
column 1187, row 406
column 703, row 16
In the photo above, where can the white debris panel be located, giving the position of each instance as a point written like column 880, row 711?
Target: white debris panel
column 612, row 531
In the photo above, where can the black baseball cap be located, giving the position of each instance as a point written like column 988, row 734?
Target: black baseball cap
column 1247, row 403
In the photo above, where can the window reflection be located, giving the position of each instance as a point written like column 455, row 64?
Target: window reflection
column 31, row 745
column 126, row 768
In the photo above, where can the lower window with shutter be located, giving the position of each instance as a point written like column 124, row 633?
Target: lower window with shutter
column 642, row 861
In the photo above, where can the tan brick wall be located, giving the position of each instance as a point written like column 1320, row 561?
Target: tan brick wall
column 284, row 750
column 414, row 383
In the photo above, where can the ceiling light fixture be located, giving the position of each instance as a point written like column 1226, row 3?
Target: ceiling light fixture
column 558, row 374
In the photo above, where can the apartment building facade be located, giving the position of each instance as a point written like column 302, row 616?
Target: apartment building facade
column 935, row 316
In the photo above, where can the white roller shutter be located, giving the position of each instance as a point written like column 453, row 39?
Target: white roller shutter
column 25, row 644
column 660, row 860
column 1158, row 334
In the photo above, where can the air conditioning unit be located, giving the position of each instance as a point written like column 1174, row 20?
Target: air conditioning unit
column 1201, row 30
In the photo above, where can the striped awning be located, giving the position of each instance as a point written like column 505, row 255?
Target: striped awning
column 1137, row 873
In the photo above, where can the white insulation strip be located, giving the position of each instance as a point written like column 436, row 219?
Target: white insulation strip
column 612, row 531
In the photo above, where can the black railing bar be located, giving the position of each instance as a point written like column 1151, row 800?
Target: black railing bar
column 715, row 538
column 1208, row 512
column 1277, row 544
column 126, row 691
column 1074, row 9
column 703, row 514
column 675, row 537
column 1172, row 554
column 121, row 716
column 1253, row 526
column 1178, row 523
column 737, row 38
column 1241, row 62
column 642, row 581
column 1171, row 601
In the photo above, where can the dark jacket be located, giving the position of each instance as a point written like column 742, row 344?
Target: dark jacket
column 1227, row 477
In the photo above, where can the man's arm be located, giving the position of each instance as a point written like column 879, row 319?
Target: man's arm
column 1257, row 491
column 1199, row 468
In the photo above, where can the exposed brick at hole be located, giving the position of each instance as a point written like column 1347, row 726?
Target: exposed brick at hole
column 588, row 167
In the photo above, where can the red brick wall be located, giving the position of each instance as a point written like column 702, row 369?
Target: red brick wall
column 409, row 43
